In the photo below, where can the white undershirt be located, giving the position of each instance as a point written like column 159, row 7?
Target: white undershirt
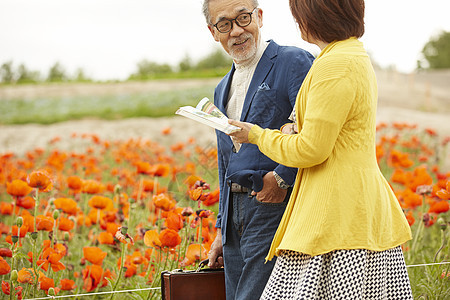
column 241, row 81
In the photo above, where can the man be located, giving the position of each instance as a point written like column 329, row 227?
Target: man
column 261, row 88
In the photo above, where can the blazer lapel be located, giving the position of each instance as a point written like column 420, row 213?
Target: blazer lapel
column 263, row 68
column 224, row 91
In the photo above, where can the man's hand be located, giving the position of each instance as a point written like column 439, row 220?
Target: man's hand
column 215, row 255
column 270, row 192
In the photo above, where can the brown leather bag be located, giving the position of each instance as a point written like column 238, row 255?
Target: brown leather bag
column 196, row 285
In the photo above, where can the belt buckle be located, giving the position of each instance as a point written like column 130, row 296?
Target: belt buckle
column 237, row 188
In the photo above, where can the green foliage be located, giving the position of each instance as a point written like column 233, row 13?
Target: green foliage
column 27, row 76
column 57, row 73
column 109, row 107
column 6, row 72
column 149, row 70
column 217, row 59
column 437, row 52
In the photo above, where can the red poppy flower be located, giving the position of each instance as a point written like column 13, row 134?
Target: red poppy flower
column 5, row 252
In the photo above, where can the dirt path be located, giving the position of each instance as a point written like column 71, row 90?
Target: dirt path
column 422, row 100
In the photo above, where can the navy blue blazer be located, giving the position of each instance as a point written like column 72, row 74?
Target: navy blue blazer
column 269, row 102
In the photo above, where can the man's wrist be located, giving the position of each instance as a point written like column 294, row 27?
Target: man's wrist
column 280, row 181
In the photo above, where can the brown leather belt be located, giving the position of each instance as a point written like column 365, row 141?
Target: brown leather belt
column 236, row 188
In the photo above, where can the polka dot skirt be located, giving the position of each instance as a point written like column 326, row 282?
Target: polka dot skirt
column 341, row 274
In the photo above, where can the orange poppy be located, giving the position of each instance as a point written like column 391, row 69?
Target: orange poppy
column 25, row 202
column 65, row 224
column 163, row 201
column 92, row 276
column 160, row 170
column 166, row 130
column 18, row 188
column 67, row 205
column 410, row 218
column 105, row 238
column 4, row 266
column 439, row 207
column 193, row 254
column 40, row 179
column 44, row 223
column 26, row 275
column 143, row 167
column 67, row 284
column 151, row 239
column 94, row 255
column 411, row 199
column 92, row 187
column 212, row 198
column 169, row 238
column 45, row 282
column 6, row 208
column 6, row 289
column 174, row 221
column 100, row 202
column 74, row 183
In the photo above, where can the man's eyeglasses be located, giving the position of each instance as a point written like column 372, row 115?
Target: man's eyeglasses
column 242, row 20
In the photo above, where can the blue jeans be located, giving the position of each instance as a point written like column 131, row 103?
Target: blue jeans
column 251, row 227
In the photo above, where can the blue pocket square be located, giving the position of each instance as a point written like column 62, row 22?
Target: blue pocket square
column 264, row 86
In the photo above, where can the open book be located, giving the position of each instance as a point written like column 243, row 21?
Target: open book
column 207, row 113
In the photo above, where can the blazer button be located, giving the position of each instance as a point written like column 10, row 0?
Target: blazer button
column 233, row 149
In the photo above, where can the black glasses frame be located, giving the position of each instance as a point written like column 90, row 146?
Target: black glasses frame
column 236, row 21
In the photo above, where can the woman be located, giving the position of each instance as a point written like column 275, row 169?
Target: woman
column 341, row 233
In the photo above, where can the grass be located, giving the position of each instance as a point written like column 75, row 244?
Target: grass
column 48, row 110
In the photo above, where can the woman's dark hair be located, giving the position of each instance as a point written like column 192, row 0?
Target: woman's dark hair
column 329, row 20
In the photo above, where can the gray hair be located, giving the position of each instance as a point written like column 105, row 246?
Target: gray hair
column 205, row 9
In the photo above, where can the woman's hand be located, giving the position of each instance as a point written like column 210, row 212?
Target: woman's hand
column 290, row 128
column 240, row 136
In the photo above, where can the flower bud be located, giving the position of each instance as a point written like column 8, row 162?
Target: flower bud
column 15, row 238
column 132, row 200
column 34, row 235
column 66, row 236
column 56, row 214
column 117, row 189
column 51, row 201
column 14, row 275
column 442, row 224
column 124, row 230
column 19, row 222
column 51, row 292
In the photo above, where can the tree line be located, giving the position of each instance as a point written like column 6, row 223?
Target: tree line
column 435, row 55
column 213, row 64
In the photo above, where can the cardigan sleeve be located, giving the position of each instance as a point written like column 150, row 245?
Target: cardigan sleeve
column 327, row 108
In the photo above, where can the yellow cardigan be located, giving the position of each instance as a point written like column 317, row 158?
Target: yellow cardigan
column 340, row 199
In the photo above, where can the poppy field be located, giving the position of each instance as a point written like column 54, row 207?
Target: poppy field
column 114, row 215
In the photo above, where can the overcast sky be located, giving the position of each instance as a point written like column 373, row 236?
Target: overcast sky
column 108, row 37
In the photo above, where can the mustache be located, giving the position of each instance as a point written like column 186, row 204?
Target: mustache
column 239, row 39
